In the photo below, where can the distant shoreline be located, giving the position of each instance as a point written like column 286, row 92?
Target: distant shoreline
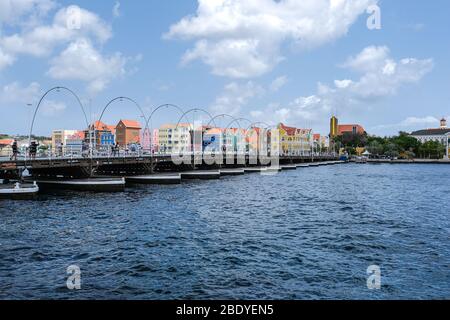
column 415, row 161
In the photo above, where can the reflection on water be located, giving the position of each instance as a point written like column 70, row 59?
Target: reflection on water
column 304, row 234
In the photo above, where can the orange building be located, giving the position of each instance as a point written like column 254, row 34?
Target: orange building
column 350, row 128
column 100, row 129
column 128, row 132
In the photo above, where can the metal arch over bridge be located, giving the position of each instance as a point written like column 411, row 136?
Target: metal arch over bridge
column 194, row 110
column 42, row 99
column 167, row 105
column 222, row 116
column 121, row 99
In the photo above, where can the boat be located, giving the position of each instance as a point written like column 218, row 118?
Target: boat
column 19, row 191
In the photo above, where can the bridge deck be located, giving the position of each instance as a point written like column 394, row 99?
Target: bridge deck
column 134, row 165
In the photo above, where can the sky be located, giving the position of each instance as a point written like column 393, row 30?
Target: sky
column 292, row 61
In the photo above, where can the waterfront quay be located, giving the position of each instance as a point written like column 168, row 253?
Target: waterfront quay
column 412, row 161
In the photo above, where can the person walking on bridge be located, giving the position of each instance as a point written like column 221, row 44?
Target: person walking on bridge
column 116, row 150
column 33, row 150
column 15, row 150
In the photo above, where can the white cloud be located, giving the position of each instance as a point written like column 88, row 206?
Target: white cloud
column 5, row 59
column 342, row 84
column 14, row 94
column 409, row 124
column 381, row 76
column 41, row 40
column 80, row 31
column 368, row 60
column 235, row 96
column 12, row 10
column 116, row 10
column 81, row 61
column 243, row 39
column 278, row 83
column 52, row 108
column 414, row 121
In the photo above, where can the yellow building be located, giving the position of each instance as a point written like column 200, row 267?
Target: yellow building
column 334, row 127
column 6, row 147
column 295, row 141
column 59, row 139
column 173, row 139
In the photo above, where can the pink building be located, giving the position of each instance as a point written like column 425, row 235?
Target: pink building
column 155, row 140
column 150, row 141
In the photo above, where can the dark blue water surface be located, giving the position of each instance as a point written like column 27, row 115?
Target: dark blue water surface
column 304, row 234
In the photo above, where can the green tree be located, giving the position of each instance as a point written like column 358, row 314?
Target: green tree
column 405, row 142
column 432, row 150
column 375, row 147
column 392, row 150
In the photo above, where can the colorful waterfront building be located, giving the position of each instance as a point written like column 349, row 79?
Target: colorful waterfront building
column 235, row 140
column 213, row 139
column 128, row 132
column 100, row 135
column 295, row 141
column 75, row 143
column 6, row 147
column 59, row 140
column 175, row 139
column 107, row 139
column 146, row 139
column 321, row 143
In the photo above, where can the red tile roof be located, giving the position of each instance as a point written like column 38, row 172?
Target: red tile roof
column 100, row 126
column 6, row 142
column 77, row 135
column 349, row 128
column 131, row 124
column 289, row 130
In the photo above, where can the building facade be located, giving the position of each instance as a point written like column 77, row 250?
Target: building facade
column 438, row 134
column 100, row 135
column 353, row 129
column 173, row 139
column 334, row 123
column 75, row 143
column 295, row 141
column 6, row 147
column 321, row 143
column 59, row 140
column 128, row 132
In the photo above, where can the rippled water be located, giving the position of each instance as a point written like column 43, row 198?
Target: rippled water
column 304, row 234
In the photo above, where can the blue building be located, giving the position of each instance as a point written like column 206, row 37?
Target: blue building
column 212, row 140
column 107, row 139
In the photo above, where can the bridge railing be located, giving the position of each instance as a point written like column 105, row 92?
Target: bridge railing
column 145, row 154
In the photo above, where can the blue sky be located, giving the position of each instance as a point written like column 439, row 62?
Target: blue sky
column 292, row 61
